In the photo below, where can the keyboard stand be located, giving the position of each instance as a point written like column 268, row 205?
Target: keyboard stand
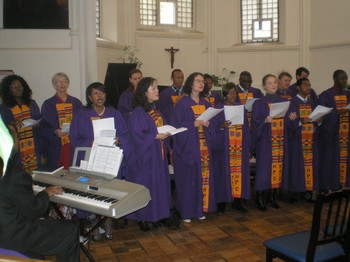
column 87, row 235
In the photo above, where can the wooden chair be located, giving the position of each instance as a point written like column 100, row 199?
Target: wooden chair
column 328, row 239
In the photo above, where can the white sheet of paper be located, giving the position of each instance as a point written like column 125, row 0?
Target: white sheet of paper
column 102, row 124
column 66, row 128
column 319, row 112
column 278, row 110
column 5, row 145
column 209, row 114
column 105, row 141
column 235, row 114
column 347, row 107
column 249, row 103
column 170, row 129
column 30, row 122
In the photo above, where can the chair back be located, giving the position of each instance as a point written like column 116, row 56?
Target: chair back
column 331, row 221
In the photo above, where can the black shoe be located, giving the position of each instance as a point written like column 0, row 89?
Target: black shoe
column 156, row 225
column 221, row 208
column 143, row 226
column 171, row 223
column 237, row 205
column 271, row 199
column 259, row 201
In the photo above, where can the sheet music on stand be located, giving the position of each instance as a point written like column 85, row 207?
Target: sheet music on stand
column 105, row 159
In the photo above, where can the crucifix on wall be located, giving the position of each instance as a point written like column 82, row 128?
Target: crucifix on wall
column 172, row 52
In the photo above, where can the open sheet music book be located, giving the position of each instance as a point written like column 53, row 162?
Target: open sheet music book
column 319, row 112
column 280, row 109
column 234, row 114
column 209, row 114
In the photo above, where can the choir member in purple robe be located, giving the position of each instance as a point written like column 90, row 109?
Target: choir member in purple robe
column 269, row 139
column 170, row 95
column 302, row 72
column 245, row 89
column 192, row 152
column 334, row 135
column 303, row 154
column 231, row 144
column 148, row 150
column 58, row 112
column 214, row 98
column 284, row 79
column 18, row 106
column 125, row 100
column 82, row 132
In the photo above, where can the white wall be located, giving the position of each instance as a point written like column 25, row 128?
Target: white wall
column 329, row 41
column 38, row 54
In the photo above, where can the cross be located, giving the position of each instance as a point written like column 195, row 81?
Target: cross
column 172, row 52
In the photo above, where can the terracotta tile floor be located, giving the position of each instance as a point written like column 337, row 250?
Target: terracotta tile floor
column 233, row 236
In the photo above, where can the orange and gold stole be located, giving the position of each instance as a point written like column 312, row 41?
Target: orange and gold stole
column 235, row 135
column 204, row 152
column 26, row 139
column 65, row 115
column 211, row 100
column 307, row 145
column 277, row 140
column 341, row 103
column 158, row 120
column 243, row 97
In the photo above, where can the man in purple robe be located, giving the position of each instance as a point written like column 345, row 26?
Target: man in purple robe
column 169, row 96
column 213, row 97
column 302, row 72
column 245, row 89
column 333, row 149
column 303, row 165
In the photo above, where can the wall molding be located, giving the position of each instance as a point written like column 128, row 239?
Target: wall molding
column 330, row 45
column 170, row 34
column 258, row 48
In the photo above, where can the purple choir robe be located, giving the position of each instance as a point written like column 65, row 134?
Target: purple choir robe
column 82, row 133
column 261, row 143
column 296, row 180
column 221, row 158
column 294, row 91
column 287, row 94
column 255, row 91
column 187, row 161
column 7, row 116
column 328, row 144
column 148, row 166
column 50, row 123
column 125, row 104
column 166, row 104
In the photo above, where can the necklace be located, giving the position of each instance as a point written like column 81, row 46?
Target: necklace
column 101, row 114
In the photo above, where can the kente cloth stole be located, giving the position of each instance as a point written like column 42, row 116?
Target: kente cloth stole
column 26, row 139
column 65, row 114
column 204, row 152
column 235, row 135
column 277, row 139
column 289, row 97
column 307, row 145
column 175, row 99
column 158, row 120
column 244, row 97
column 341, row 103
column 211, row 100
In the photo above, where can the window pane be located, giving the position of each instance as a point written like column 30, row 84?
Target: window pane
column 167, row 13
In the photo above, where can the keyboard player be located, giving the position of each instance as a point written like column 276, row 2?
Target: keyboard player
column 21, row 226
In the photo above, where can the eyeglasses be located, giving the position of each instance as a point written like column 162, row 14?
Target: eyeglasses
column 200, row 81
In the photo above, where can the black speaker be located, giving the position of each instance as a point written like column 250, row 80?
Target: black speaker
column 117, row 81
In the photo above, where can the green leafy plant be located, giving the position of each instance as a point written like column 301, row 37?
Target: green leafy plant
column 220, row 80
column 129, row 56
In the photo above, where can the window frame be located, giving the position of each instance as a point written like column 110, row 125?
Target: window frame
column 174, row 26
column 258, row 14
